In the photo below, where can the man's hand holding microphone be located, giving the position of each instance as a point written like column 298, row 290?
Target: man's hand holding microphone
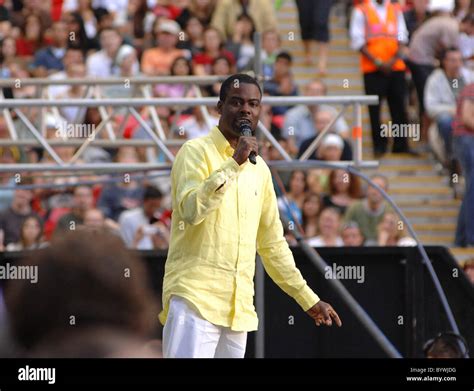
column 247, row 147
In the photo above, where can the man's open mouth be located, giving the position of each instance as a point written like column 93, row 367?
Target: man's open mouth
column 243, row 121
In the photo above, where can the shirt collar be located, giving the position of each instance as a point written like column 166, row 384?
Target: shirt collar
column 223, row 146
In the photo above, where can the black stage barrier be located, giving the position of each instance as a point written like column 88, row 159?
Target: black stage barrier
column 395, row 289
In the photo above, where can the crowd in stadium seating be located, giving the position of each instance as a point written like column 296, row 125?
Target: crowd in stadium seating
column 99, row 38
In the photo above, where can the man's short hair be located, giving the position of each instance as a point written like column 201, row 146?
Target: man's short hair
column 240, row 78
column 284, row 56
column 469, row 19
column 383, row 177
column 444, row 53
column 152, row 193
column 447, row 345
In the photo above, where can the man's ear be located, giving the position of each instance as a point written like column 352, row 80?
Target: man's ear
column 219, row 107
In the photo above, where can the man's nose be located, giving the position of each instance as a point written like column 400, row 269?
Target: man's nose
column 245, row 109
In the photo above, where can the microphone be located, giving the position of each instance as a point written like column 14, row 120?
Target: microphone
column 245, row 130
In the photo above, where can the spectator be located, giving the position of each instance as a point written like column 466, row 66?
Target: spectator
column 139, row 24
column 464, row 151
column 221, row 66
column 441, row 91
column 11, row 219
column 117, row 10
column 311, row 210
column 322, row 118
column 8, row 57
column 78, row 37
column 74, row 114
column 329, row 225
column 416, row 15
column 300, row 121
column 466, row 40
column 439, row 32
column 194, row 31
column 200, row 9
column 213, row 48
column 445, row 345
column 88, row 280
column 102, row 63
column 227, row 12
column 84, row 8
column 392, row 232
column 83, row 200
column 127, row 194
column 462, row 8
column 314, row 26
column 36, row 7
column 351, row 235
column 379, row 44
column 50, row 58
column 94, row 219
column 168, row 9
column 369, row 212
column 105, row 19
column 282, row 83
column 72, row 56
column 330, row 150
column 242, row 41
column 5, row 24
column 31, row 35
column 195, row 125
column 344, row 190
column 271, row 47
column 295, row 197
column 7, row 156
column 146, row 227
column 31, row 234
column 157, row 61
column 181, row 67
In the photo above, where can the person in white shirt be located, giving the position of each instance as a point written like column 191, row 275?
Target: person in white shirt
column 141, row 228
column 441, row 91
column 103, row 63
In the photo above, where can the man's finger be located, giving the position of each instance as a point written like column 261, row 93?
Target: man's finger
column 336, row 318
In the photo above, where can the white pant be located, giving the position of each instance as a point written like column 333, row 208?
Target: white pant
column 187, row 335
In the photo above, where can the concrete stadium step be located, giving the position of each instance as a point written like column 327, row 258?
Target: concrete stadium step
column 441, row 227
column 436, row 204
column 430, row 213
column 421, row 191
column 429, row 240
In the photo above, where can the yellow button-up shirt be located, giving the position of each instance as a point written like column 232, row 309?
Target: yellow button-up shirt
column 222, row 214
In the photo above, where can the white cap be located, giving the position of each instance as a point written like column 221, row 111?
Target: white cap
column 169, row 26
column 51, row 121
column 123, row 52
column 441, row 5
column 332, row 140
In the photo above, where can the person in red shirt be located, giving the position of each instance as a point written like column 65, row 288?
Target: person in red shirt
column 213, row 48
column 463, row 131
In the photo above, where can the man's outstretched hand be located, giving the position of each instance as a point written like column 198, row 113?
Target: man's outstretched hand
column 323, row 313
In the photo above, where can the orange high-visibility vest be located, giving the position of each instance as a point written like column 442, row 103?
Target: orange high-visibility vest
column 381, row 37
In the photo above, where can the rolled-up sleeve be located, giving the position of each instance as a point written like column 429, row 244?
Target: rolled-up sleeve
column 276, row 255
column 199, row 192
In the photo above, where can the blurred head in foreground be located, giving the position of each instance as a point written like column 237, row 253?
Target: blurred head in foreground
column 92, row 299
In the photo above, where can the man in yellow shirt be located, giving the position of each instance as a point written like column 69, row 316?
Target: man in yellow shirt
column 224, row 210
